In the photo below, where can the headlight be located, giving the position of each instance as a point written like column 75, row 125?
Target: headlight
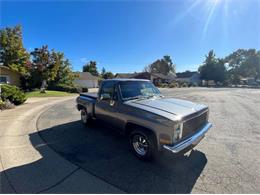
column 178, row 131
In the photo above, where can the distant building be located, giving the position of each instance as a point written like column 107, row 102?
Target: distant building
column 156, row 78
column 210, row 83
column 189, row 77
column 126, row 75
column 9, row 76
column 171, row 77
column 248, row 81
column 86, row 79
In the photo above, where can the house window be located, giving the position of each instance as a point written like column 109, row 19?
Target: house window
column 3, row 79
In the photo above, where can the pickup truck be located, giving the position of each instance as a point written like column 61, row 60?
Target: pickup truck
column 151, row 121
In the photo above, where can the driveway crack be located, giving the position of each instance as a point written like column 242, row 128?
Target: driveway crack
column 59, row 182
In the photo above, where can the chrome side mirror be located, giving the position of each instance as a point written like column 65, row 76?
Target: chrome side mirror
column 105, row 96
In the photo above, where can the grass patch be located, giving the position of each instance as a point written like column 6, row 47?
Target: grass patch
column 48, row 93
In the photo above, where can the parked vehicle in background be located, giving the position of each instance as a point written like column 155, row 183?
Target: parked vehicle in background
column 152, row 122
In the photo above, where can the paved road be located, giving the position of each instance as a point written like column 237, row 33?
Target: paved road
column 226, row 161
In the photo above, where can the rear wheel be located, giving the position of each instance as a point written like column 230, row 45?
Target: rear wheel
column 143, row 144
column 84, row 116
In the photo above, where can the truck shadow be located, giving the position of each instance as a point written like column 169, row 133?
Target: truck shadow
column 106, row 154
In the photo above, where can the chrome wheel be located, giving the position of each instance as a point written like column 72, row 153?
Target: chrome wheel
column 140, row 144
column 84, row 116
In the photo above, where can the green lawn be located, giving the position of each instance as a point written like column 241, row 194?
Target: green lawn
column 48, row 94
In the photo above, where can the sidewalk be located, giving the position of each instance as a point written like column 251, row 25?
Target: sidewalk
column 28, row 165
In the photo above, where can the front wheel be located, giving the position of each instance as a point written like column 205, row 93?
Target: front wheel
column 143, row 144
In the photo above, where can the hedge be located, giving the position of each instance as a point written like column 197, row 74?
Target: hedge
column 67, row 88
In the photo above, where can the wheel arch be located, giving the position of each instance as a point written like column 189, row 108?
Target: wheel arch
column 80, row 107
column 130, row 126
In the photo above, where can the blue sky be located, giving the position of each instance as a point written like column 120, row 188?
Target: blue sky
column 124, row 36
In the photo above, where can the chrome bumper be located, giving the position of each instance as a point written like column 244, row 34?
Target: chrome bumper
column 193, row 140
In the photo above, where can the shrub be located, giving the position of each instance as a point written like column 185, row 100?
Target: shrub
column 184, row 85
column 62, row 87
column 174, row 85
column 164, row 85
column 193, row 85
column 6, row 105
column 13, row 94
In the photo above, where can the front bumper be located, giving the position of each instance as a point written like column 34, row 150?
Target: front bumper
column 193, row 140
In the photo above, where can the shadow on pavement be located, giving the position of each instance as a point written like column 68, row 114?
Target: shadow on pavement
column 106, row 155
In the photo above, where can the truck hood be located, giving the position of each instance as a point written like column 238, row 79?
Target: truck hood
column 168, row 107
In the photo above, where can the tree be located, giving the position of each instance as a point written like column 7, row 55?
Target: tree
column 163, row 66
column 103, row 71
column 61, row 72
column 243, row 63
column 172, row 66
column 91, row 67
column 51, row 67
column 207, row 68
column 41, row 66
column 12, row 52
column 108, row 75
column 213, row 68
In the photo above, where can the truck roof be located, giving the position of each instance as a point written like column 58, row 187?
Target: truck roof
column 119, row 79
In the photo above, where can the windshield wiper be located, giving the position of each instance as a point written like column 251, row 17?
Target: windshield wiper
column 135, row 97
column 140, row 97
column 155, row 95
column 150, row 96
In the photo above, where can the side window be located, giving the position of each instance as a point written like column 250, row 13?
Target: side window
column 107, row 90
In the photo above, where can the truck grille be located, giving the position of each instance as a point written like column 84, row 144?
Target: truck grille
column 194, row 124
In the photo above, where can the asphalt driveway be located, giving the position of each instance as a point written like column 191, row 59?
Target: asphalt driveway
column 226, row 161
column 29, row 165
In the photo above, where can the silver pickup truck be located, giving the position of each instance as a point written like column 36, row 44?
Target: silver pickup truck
column 152, row 122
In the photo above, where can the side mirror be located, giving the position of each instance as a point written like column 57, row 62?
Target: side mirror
column 105, row 96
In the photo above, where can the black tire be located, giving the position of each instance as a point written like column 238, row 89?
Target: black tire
column 148, row 148
column 85, row 119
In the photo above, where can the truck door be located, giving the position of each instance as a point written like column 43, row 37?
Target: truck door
column 106, row 105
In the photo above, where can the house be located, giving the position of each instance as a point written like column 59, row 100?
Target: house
column 171, row 77
column 86, row 80
column 191, row 77
column 156, row 78
column 125, row 75
column 9, row 76
column 248, row 81
column 210, row 83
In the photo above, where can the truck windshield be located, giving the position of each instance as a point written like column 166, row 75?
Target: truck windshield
column 138, row 89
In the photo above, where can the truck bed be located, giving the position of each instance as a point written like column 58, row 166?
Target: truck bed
column 91, row 95
column 88, row 101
